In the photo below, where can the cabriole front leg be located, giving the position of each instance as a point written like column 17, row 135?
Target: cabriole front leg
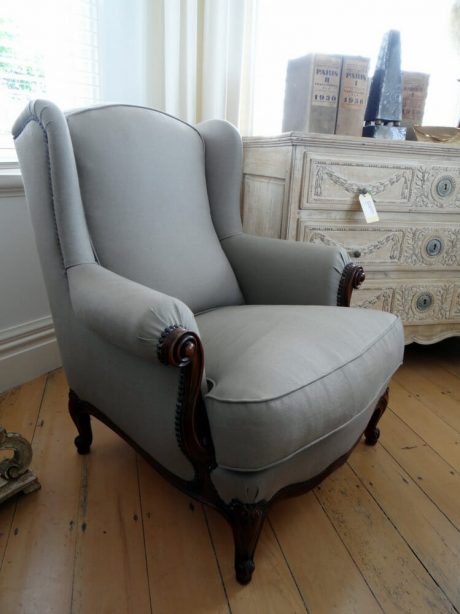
column 79, row 413
column 372, row 432
column 246, row 521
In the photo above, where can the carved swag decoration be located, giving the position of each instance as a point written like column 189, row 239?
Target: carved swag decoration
column 408, row 246
column 353, row 187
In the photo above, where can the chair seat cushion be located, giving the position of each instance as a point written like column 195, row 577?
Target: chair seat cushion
column 281, row 378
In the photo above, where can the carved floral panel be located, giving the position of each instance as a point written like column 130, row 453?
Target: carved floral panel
column 455, row 312
column 432, row 247
column 414, row 303
column 436, row 187
column 428, row 302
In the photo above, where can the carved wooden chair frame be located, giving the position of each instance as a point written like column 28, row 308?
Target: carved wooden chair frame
column 182, row 348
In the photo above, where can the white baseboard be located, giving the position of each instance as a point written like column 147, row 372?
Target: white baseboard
column 27, row 351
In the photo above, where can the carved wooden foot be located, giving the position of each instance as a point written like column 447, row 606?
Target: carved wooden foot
column 15, row 476
column 80, row 415
column 247, row 521
column 372, row 432
column 25, row 483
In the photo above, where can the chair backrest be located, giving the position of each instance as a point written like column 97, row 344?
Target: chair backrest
column 128, row 189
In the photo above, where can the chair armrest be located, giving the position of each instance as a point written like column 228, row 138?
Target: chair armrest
column 129, row 315
column 154, row 326
column 273, row 271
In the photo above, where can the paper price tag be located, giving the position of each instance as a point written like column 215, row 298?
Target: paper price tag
column 368, row 207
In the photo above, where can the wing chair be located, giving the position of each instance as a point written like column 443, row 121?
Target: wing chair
column 231, row 362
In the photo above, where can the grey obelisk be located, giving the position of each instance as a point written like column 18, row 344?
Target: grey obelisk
column 384, row 105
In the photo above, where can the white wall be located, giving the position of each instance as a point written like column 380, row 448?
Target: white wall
column 28, row 346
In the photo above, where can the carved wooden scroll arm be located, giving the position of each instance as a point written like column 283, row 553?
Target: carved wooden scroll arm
column 352, row 277
column 183, row 348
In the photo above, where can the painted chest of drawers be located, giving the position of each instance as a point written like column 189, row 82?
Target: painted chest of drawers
column 306, row 187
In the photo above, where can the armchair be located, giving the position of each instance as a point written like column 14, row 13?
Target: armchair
column 230, row 362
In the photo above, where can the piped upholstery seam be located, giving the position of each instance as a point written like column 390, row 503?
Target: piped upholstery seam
column 294, row 390
column 311, row 443
column 38, row 119
column 35, row 118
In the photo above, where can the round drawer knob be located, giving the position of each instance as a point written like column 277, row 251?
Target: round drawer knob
column 445, row 186
column 434, row 247
column 424, row 301
column 356, row 253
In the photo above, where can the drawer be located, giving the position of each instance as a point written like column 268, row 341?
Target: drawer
column 379, row 297
column 425, row 301
column 384, row 244
column 396, row 185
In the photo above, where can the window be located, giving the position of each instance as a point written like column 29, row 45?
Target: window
column 47, row 49
column 430, row 43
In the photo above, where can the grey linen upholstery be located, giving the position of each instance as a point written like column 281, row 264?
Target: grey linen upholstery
column 273, row 272
column 268, row 270
column 149, row 225
column 136, row 217
column 292, row 386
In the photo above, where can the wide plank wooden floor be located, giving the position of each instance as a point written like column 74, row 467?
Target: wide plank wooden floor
column 106, row 535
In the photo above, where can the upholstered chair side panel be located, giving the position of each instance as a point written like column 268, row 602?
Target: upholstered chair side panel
column 136, row 394
column 147, row 393
column 32, row 149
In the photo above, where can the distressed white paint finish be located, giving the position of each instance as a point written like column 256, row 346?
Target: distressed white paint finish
column 416, row 188
column 263, row 205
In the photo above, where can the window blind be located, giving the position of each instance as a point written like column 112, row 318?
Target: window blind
column 47, row 50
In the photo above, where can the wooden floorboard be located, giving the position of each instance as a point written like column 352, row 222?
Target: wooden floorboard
column 19, row 409
column 396, row 577
column 37, row 571
column 107, row 534
column 443, row 438
column 110, row 536
column 391, row 488
column 321, row 559
column 183, row 572
column 424, row 382
column 432, row 473
column 437, row 375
